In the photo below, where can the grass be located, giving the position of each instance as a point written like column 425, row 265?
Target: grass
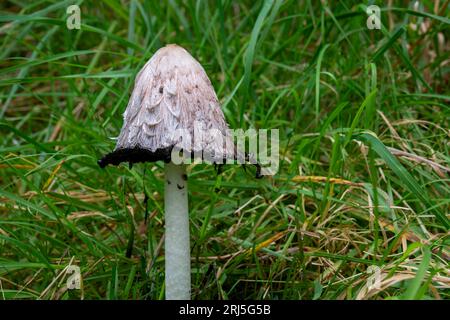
column 363, row 183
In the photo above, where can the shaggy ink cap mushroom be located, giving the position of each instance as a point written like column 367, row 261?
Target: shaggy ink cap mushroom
column 172, row 103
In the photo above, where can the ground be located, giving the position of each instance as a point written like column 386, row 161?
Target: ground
column 357, row 210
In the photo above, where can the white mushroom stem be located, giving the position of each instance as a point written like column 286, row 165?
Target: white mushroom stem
column 177, row 248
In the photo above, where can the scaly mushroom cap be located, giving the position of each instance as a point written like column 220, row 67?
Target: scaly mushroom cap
column 171, row 93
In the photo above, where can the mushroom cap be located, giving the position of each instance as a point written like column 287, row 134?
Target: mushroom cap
column 172, row 98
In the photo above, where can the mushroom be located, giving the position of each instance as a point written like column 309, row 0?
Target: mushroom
column 172, row 103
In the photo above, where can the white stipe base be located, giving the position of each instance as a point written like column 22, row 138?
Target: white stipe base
column 177, row 248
